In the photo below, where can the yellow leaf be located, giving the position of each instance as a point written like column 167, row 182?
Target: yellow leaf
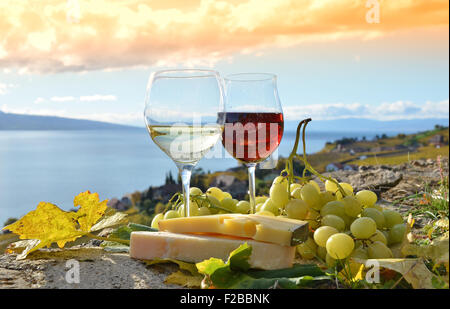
column 184, row 279
column 91, row 209
column 414, row 271
column 47, row 224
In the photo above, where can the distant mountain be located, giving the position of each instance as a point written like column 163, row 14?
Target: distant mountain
column 368, row 125
column 31, row 122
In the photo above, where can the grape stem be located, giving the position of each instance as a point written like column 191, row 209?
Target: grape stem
column 289, row 167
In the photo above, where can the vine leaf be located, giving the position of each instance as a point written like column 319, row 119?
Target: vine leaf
column 47, row 224
column 91, row 209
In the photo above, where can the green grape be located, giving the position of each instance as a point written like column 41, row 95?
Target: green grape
column 315, row 184
column 310, row 195
column 214, row 202
column 260, row 199
column 366, row 198
column 195, row 191
column 392, row 218
column 376, row 215
column 379, row 236
column 308, row 249
column 282, row 180
column 279, row 194
column 378, row 207
column 378, row 250
column 348, row 220
column 333, row 221
column 215, row 192
column 322, row 234
column 193, row 207
column 226, row 195
column 171, row 214
column 326, row 197
column 296, row 209
column 229, row 203
column 352, row 206
column 363, row 228
column 322, row 253
column 203, row 211
column 258, row 207
column 333, row 208
column 265, row 213
column 348, row 189
column 397, row 233
column 340, row 246
column 360, row 253
column 156, row 219
column 312, row 218
column 386, row 235
column 294, row 186
column 296, row 193
column 269, row 206
column 331, row 186
column 243, row 207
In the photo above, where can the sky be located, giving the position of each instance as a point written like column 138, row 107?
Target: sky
column 384, row 60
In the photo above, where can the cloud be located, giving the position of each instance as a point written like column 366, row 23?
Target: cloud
column 98, row 97
column 384, row 111
column 78, row 35
column 4, row 88
column 62, row 99
column 86, row 98
column 399, row 110
column 131, row 118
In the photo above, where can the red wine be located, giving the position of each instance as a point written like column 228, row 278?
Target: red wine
column 252, row 137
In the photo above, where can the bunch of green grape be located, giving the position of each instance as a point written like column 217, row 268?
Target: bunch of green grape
column 213, row 201
column 341, row 225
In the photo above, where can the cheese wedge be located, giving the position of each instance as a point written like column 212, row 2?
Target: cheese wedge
column 282, row 231
column 197, row 248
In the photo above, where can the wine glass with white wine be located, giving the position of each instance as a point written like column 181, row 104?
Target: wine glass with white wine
column 182, row 114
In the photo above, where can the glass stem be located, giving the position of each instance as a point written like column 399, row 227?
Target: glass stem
column 185, row 172
column 251, row 186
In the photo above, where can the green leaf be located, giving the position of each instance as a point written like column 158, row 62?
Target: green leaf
column 238, row 259
column 124, row 232
column 282, row 283
column 140, row 227
column 298, row 270
column 208, row 267
column 236, row 273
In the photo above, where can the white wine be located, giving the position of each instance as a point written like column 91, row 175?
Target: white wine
column 185, row 144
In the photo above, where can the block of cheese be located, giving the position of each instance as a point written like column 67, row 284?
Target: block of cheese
column 197, row 248
column 282, row 231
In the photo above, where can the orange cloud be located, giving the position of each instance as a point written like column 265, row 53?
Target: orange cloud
column 77, row 35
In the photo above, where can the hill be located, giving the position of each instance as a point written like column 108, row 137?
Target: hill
column 32, row 122
column 370, row 125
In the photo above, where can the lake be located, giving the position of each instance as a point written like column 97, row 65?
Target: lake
column 54, row 166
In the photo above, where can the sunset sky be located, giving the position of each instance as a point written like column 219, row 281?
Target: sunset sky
column 334, row 59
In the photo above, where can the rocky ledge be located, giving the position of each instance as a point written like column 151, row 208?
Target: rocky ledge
column 54, row 268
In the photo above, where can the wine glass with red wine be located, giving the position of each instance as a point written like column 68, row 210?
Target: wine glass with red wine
column 253, row 121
